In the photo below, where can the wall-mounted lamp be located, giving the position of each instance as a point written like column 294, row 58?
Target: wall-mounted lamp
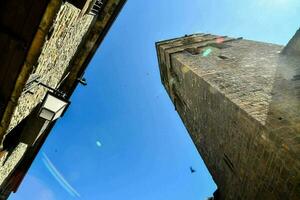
column 53, row 106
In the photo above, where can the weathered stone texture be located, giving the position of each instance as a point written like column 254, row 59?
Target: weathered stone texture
column 241, row 108
column 69, row 29
column 69, row 46
column 58, row 50
column 8, row 164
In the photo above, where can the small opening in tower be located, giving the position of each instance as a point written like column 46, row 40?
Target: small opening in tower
column 228, row 163
column 223, row 57
column 296, row 77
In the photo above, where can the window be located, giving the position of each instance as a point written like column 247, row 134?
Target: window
column 223, row 57
column 96, row 7
column 228, row 163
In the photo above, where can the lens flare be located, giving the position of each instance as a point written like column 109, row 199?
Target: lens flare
column 220, row 40
column 206, row 52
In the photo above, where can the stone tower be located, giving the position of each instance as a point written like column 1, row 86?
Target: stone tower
column 240, row 102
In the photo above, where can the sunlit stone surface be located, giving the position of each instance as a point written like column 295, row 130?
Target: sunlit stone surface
column 241, row 105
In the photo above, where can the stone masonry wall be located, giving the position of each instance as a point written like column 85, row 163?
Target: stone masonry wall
column 7, row 164
column 57, row 52
column 68, row 30
column 240, row 108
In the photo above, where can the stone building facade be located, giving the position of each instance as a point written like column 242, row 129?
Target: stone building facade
column 68, row 30
column 59, row 48
column 240, row 102
column 74, row 34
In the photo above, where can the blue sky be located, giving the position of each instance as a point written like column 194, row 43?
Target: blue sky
column 145, row 150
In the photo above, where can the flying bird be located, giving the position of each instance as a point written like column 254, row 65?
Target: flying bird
column 192, row 170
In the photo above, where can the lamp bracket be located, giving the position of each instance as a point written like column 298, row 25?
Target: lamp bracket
column 55, row 91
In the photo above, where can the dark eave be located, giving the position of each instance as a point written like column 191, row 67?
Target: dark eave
column 19, row 21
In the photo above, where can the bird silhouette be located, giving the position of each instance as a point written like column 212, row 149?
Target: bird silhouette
column 192, row 170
